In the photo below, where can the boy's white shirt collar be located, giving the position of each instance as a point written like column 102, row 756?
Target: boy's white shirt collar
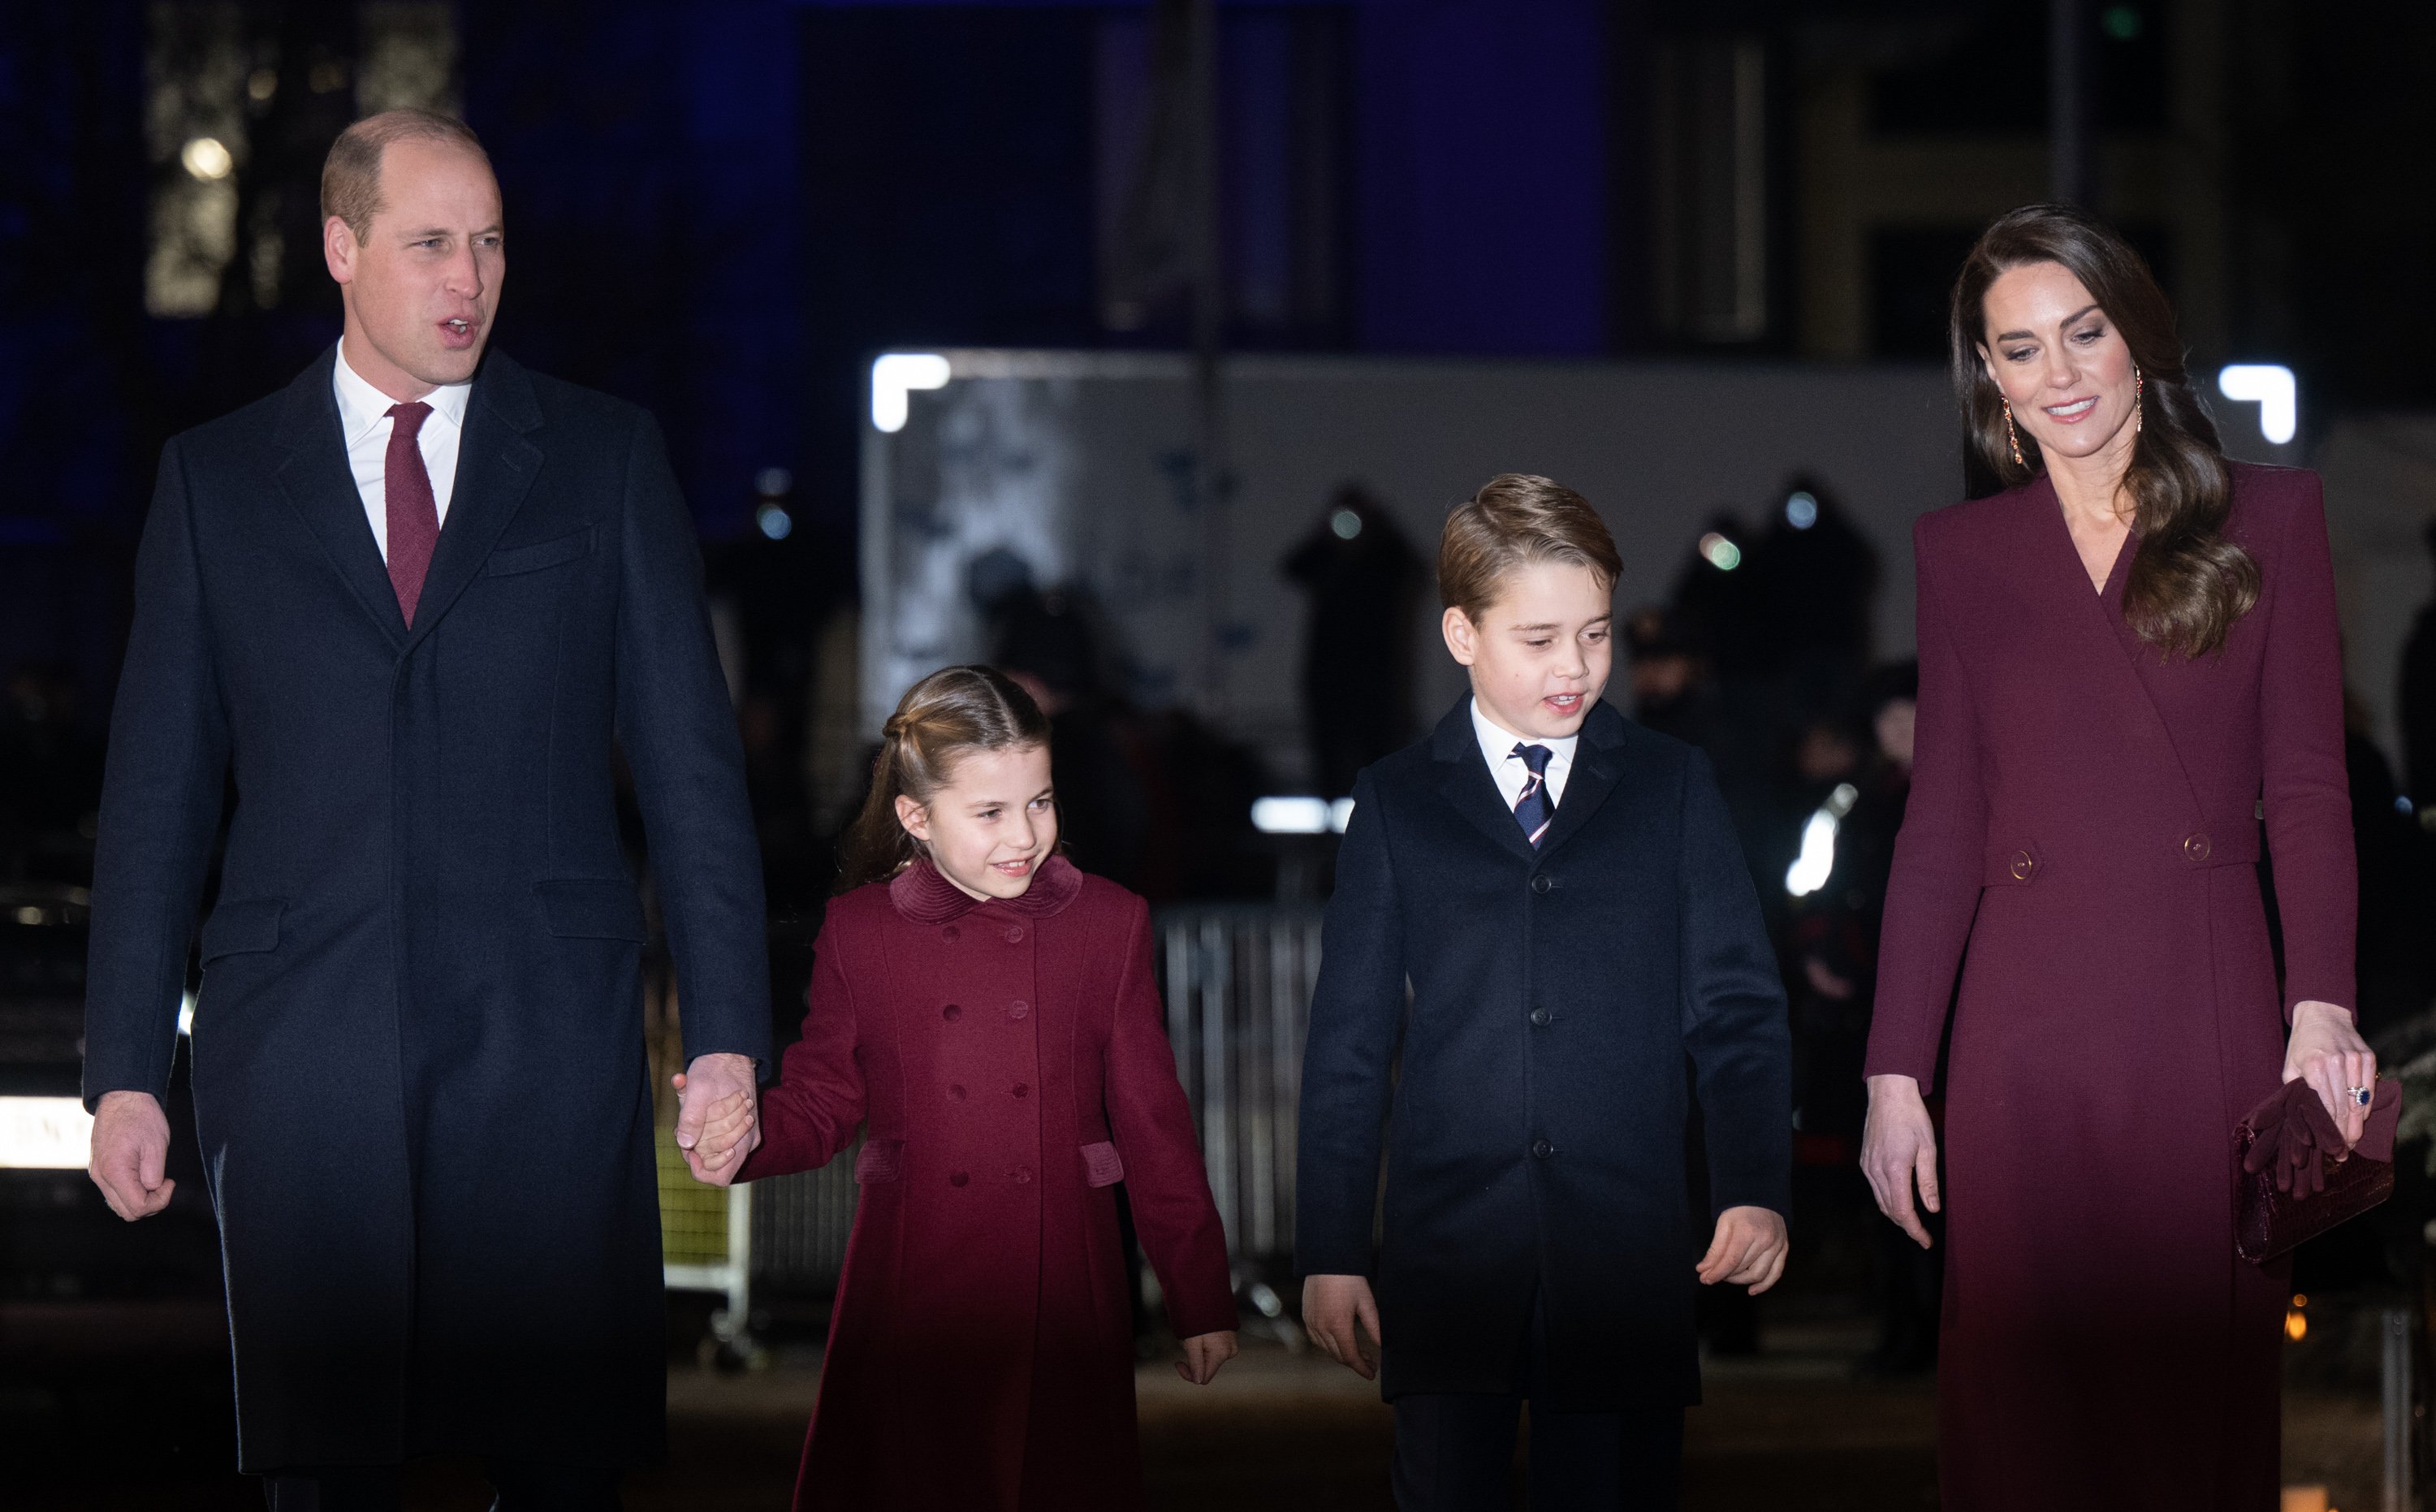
column 1497, row 745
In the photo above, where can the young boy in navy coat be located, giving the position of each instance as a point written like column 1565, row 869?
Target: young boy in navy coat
column 1564, row 894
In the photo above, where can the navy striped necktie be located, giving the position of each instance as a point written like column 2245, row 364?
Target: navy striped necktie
column 1535, row 811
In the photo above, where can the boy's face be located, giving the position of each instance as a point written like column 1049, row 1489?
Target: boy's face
column 1541, row 652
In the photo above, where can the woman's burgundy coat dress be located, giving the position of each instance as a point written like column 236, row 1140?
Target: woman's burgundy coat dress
column 2085, row 815
column 1009, row 1059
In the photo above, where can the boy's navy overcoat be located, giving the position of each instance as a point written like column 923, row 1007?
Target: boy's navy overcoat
column 1534, row 1121
column 419, row 1070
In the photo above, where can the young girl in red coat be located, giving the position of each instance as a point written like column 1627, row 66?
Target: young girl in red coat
column 988, row 1011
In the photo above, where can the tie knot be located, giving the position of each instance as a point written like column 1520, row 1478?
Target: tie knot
column 409, row 417
column 1533, row 757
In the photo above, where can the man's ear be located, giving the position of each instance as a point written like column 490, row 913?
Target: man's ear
column 338, row 249
column 916, row 818
column 1462, row 637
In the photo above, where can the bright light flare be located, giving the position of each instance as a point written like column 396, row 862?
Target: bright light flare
column 44, row 1134
column 207, row 159
column 1722, row 554
column 1817, row 863
column 1301, row 815
column 2269, row 385
column 895, row 375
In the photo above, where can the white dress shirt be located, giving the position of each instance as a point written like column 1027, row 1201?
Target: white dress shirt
column 1497, row 748
column 365, row 425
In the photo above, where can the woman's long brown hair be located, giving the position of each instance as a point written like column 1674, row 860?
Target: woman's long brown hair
column 2188, row 583
column 941, row 719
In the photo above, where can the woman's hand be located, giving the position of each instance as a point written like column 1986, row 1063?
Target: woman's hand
column 2328, row 1052
column 1203, row 1354
column 1898, row 1147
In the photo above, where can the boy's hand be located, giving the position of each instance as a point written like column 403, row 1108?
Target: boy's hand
column 1749, row 1249
column 1203, row 1354
column 713, row 1131
column 1331, row 1306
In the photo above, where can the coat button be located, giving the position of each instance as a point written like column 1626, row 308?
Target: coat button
column 951, row 1013
column 2196, row 845
column 957, row 1178
column 1015, row 935
column 1022, row 1175
column 2023, row 864
column 948, row 933
column 1539, row 1018
column 1541, row 883
column 1019, row 1009
column 955, row 1091
column 1541, row 1149
column 1022, row 1089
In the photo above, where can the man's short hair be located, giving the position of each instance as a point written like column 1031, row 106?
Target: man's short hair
column 1515, row 520
column 351, row 174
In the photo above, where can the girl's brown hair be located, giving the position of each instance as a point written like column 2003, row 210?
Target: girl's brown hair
column 2188, row 583
column 941, row 719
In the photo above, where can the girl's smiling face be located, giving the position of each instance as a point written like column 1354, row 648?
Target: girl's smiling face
column 992, row 825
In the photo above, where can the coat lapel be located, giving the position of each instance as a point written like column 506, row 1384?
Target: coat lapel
column 1597, row 764
column 496, row 465
column 2113, row 649
column 320, row 487
column 1464, row 778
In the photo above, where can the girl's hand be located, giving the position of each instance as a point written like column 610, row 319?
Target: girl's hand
column 2329, row 1052
column 1898, row 1147
column 1203, row 1354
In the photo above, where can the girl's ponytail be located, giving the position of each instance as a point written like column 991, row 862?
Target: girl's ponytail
column 945, row 717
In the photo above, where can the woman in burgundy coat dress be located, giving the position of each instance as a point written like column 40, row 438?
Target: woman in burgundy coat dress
column 990, row 1012
column 2128, row 659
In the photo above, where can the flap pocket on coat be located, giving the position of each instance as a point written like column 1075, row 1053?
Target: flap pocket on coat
column 1101, row 1165
column 584, row 908
column 540, row 554
column 241, row 925
column 879, row 1160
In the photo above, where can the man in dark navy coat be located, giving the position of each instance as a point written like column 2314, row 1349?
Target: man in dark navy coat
column 405, row 608
column 1563, row 892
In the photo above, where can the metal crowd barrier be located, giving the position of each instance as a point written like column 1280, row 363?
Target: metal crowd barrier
column 1236, row 979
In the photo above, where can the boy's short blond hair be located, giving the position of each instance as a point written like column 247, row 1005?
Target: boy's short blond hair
column 1515, row 520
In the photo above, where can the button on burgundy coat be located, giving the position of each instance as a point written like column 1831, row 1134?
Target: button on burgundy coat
column 2079, row 849
column 1009, row 1061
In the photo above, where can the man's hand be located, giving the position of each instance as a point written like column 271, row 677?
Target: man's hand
column 130, row 1153
column 1748, row 1250
column 1331, row 1306
column 1899, row 1146
column 1203, row 1354
column 717, row 1125
column 2329, row 1052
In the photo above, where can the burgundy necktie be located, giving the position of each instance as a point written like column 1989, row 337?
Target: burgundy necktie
column 413, row 515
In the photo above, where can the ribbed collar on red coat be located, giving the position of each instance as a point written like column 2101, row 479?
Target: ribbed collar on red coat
column 923, row 895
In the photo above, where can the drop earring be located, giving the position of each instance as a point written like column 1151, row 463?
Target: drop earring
column 2012, row 436
column 2139, row 387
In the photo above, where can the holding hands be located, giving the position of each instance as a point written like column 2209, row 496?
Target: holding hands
column 718, row 1123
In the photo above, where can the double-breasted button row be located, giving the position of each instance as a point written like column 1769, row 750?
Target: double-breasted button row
column 1017, row 1010
column 1020, row 1175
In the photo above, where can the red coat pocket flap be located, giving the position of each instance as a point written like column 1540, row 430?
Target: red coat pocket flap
column 881, row 1160
column 1102, row 1166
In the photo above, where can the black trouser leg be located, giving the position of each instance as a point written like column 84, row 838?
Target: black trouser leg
column 1606, row 1462
column 526, row 1486
column 334, row 1488
column 1454, row 1452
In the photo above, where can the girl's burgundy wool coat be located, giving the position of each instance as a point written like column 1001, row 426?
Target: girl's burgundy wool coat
column 1009, row 1061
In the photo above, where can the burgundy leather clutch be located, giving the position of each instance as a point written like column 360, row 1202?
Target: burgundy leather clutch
column 2293, row 1181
